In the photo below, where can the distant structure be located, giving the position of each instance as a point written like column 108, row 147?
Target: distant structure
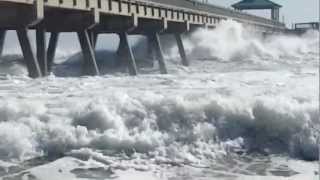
column 300, row 28
column 307, row 25
column 260, row 4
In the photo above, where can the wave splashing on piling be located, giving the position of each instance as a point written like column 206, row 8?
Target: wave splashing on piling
column 230, row 41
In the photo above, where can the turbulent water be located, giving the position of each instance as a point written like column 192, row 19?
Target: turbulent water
column 246, row 108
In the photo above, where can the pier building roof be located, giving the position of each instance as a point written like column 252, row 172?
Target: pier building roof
column 256, row 4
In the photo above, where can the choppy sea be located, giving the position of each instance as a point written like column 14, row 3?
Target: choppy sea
column 245, row 109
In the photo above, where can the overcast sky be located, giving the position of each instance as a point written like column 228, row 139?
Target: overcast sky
column 293, row 10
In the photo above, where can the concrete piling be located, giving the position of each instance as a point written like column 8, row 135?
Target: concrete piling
column 29, row 57
column 121, row 51
column 52, row 47
column 90, row 65
column 93, row 38
column 182, row 51
column 41, row 49
column 150, row 52
column 156, row 45
column 2, row 38
column 125, row 54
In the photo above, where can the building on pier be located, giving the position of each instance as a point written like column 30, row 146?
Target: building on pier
column 301, row 28
column 259, row 4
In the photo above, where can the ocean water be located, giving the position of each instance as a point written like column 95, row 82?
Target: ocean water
column 245, row 109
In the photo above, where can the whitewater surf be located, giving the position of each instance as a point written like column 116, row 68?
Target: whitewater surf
column 246, row 108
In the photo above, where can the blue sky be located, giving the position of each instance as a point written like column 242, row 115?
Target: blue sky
column 292, row 10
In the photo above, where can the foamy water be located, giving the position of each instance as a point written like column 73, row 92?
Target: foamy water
column 246, row 108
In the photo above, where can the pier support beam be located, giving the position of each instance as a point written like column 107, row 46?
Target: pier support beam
column 42, row 50
column 93, row 38
column 155, row 44
column 125, row 54
column 90, row 65
column 150, row 52
column 52, row 47
column 31, row 61
column 121, row 51
column 2, row 38
column 182, row 51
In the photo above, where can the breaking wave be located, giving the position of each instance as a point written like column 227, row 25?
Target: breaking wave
column 161, row 124
column 232, row 42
